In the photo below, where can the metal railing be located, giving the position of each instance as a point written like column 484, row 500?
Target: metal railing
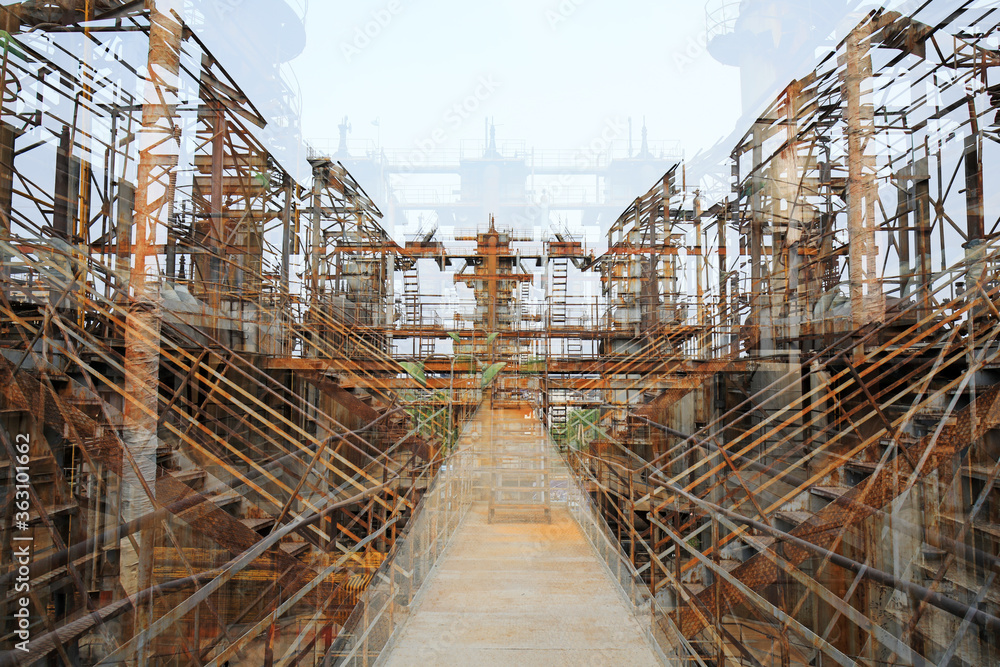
column 386, row 603
column 656, row 623
column 467, row 477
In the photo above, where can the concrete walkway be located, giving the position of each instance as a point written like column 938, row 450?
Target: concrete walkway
column 519, row 590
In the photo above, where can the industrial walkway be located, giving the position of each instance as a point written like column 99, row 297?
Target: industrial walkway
column 524, row 588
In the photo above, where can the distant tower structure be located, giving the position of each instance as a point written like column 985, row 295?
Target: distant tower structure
column 768, row 39
column 495, row 275
column 369, row 168
column 493, row 184
column 624, row 174
column 344, row 128
column 525, row 189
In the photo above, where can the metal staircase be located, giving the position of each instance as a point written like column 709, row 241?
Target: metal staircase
column 525, row 297
column 557, row 297
column 574, row 347
column 411, row 297
column 558, row 418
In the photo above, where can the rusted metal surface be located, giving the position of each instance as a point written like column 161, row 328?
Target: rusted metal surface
column 784, row 404
column 862, row 379
column 151, row 385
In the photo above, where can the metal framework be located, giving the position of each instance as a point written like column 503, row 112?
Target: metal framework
column 833, row 498
column 779, row 411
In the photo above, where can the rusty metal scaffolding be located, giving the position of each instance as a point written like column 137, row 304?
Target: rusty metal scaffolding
column 831, row 498
column 201, row 492
column 782, row 408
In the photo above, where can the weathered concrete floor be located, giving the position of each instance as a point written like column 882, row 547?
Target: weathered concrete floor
column 520, row 594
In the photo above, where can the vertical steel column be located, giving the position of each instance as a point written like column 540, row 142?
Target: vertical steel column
column 286, row 232
column 798, row 218
column 492, row 269
column 62, row 214
column 216, row 236
column 922, row 234
column 757, row 306
column 320, row 179
column 123, row 236
column 974, row 216
column 904, row 195
column 158, row 153
column 974, row 182
column 8, row 134
column 171, row 249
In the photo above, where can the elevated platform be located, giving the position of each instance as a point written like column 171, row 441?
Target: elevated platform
column 520, row 594
column 524, row 587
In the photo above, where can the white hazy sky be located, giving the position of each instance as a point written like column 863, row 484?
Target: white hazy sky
column 561, row 70
column 552, row 73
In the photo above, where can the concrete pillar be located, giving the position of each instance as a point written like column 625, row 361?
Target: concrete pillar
column 867, row 299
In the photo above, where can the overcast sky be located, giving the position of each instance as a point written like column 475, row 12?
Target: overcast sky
column 551, row 73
